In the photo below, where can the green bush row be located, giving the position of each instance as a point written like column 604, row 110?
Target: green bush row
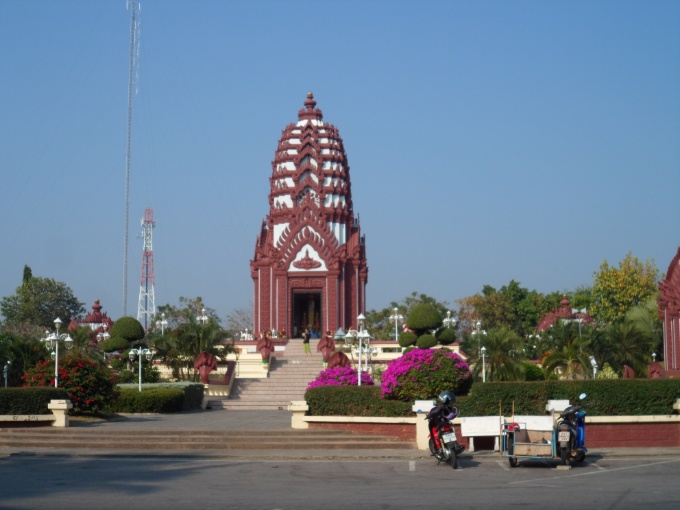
column 353, row 401
column 622, row 397
column 29, row 400
column 158, row 398
column 149, row 400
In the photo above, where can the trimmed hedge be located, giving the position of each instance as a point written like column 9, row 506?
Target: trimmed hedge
column 426, row 341
column 149, row 400
column 353, row 401
column 29, row 400
column 132, row 401
column 407, row 339
column 606, row 397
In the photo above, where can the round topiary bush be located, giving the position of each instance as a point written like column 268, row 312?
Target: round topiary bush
column 447, row 336
column 424, row 374
column 116, row 363
column 407, row 339
column 128, row 328
column 426, row 341
column 423, row 318
column 114, row 344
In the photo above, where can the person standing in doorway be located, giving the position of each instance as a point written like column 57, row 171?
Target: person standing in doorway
column 306, row 335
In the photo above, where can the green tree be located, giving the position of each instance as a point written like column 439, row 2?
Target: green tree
column 570, row 352
column 378, row 321
column 22, row 352
column 424, row 318
column 629, row 346
column 38, row 301
column 617, row 290
column 179, row 348
column 503, row 357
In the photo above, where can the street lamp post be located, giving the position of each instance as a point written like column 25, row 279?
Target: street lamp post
column 449, row 322
column 593, row 362
column 141, row 353
column 363, row 336
column 52, row 341
column 203, row 317
column 483, row 364
column 478, row 331
column 396, row 318
column 103, row 335
column 5, row 371
column 162, row 323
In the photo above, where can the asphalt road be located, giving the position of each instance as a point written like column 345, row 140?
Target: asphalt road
column 132, row 483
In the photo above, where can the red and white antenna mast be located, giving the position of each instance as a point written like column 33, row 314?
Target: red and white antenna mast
column 147, row 301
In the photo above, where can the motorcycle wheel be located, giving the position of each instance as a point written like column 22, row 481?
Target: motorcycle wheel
column 512, row 461
column 564, row 455
column 580, row 456
column 453, row 459
column 435, row 451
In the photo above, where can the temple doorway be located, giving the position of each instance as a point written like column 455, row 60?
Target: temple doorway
column 306, row 312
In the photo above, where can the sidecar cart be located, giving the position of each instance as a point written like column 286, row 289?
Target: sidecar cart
column 528, row 437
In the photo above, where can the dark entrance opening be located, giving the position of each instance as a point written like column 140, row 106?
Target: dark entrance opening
column 306, row 312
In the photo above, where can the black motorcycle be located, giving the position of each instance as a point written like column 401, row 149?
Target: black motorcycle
column 443, row 441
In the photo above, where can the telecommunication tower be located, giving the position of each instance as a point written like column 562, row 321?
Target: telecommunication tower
column 147, row 301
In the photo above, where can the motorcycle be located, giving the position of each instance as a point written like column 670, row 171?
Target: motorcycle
column 571, row 433
column 443, row 442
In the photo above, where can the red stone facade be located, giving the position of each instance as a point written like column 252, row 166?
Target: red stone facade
column 310, row 264
column 669, row 313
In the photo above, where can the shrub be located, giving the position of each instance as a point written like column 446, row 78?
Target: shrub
column 533, row 372
column 407, row 339
column 426, row 341
column 125, row 376
column 31, row 400
column 423, row 318
column 149, row 400
column 353, row 401
column 114, row 344
column 606, row 397
column 447, row 336
column 116, row 363
column 424, row 373
column 340, row 376
column 89, row 384
column 128, row 328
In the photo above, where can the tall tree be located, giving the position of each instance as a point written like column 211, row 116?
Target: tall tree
column 618, row 289
column 503, row 356
column 38, row 301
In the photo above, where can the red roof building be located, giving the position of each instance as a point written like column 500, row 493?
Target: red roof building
column 669, row 313
column 565, row 313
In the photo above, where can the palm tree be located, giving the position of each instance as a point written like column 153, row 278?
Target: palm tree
column 178, row 348
column 571, row 356
column 629, row 346
column 503, row 356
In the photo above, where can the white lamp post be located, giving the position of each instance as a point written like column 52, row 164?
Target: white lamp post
column 141, row 353
column 5, row 371
column 653, row 357
column 483, row 364
column 478, row 331
column 52, row 341
column 162, row 323
column 450, row 322
column 593, row 362
column 396, row 318
column 203, row 317
column 363, row 336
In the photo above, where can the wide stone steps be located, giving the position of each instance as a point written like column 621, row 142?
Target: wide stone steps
column 289, row 376
column 49, row 439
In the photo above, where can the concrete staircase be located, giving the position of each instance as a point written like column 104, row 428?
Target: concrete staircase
column 289, row 374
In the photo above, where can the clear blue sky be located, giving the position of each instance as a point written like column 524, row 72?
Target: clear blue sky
column 487, row 141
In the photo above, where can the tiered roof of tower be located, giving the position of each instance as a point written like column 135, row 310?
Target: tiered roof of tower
column 310, row 199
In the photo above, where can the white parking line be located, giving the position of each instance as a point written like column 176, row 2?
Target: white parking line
column 602, row 470
column 411, row 465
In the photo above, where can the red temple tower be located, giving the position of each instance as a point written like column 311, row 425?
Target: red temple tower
column 310, row 257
